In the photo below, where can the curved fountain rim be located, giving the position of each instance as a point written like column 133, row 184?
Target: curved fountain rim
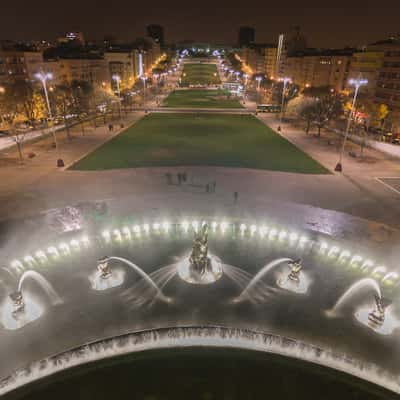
column 197, row 336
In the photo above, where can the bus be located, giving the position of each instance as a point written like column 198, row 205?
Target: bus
column 269, row 108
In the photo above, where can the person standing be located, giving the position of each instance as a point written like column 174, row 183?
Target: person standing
column 235, row 197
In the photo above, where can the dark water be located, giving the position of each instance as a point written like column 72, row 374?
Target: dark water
column 203, row 374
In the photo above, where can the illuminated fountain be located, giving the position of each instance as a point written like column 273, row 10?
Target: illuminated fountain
column 22, row 307
column 348, row 297
column 377, row 316
column 105, row 278
column 200, row 268
column 296, row 281
column 256, row 290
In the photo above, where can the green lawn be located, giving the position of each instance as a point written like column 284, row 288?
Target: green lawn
column 200, row 74
column 200, row 98
column 204, row 139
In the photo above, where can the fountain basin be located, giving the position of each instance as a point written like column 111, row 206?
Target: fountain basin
column 13, row 319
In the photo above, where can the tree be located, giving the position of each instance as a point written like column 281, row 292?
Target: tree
column 307, row 112
column 24, row 100
column 65, row 104
column 383, row 112
column 291, row 92
column 321, row 110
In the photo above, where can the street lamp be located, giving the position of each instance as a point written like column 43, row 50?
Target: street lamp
column 117, row 79
column 43, row 78
column 285, row 82
column 258, row 79
column 144, row 78
column 2, row 91
column 357, row 83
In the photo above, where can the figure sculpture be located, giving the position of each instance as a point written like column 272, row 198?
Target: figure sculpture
column 376, row 317
column 199, row 259
column 104, row 268
column 18, row 304
column 296, row 267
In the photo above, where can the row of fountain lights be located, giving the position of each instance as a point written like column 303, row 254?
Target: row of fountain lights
column 333, row 252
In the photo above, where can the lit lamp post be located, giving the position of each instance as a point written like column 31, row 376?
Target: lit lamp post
column 43, row 78
column 2, row 91
column 285, row 82
column 144, row 79
column 258, row 79
column 117, row 79
column 357, row 83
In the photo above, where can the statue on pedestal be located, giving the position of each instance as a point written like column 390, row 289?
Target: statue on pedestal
column 104, row 268
column 295, row 267
column 18, row 304
column 199, row 259
column 376, row 317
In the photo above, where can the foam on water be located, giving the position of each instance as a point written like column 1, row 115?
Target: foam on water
column 199, row 337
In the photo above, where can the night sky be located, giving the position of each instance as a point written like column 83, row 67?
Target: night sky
column 325, row 24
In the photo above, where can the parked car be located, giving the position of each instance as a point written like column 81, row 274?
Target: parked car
column 391, row 137
column 22, row 126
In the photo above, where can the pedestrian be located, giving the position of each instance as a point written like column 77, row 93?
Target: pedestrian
column 179, row 178
column 208, row 188
column 279, row 128
column 214, row 185
column 235, row 197
column 184, row 177
column 109, row 127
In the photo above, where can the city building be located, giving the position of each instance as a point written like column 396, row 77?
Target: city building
column 261, row 58
column 366, row 65
column 247, row 36
column 149, row 52
column 24, row 65
column 388, row 80
column 156, row 32
column 281, row 55
column 122, row 62
column 94, row 71
column 317, row 68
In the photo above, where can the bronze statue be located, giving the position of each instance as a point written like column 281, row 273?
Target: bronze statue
column 104, row 268
column 18, row 304
column 296, row 267
column 199, row 258
column 376, row 317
